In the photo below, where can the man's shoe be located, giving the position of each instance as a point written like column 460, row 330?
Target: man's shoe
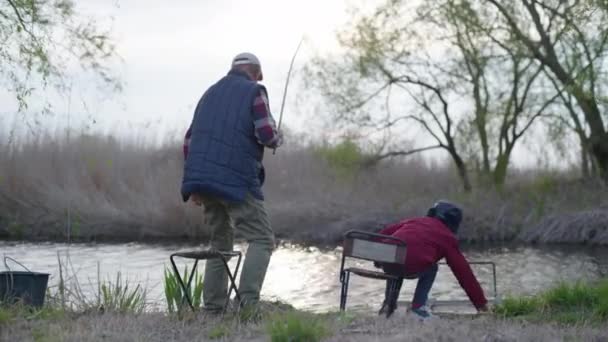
column 423, row 313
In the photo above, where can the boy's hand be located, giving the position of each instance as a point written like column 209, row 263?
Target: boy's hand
column 484, row 309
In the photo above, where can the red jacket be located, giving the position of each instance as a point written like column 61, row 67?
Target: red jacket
column 428, row 241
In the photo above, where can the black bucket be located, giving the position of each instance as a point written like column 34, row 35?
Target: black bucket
column 26, row 287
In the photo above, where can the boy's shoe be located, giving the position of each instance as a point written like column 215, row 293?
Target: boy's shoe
column 387, row 309
column 423, row 313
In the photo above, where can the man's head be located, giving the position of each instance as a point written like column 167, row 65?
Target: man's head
column 448, row 213
column 250, row 64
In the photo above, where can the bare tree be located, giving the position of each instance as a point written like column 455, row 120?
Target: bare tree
column 503, row 83
column 41, row 39
column 383, row 65
column 562, row 31
column 465, row 88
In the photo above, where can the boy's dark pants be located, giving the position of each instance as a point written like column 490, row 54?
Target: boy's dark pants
column 423, row 288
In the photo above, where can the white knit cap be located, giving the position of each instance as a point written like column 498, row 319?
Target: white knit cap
column 245, row 58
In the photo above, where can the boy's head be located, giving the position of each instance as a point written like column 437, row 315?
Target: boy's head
column 448, row 213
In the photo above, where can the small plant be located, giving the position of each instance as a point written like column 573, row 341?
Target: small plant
column 514, row 307
column 118, row 297
column 18, row 310
column 5, row 315
column 174, row 293
column 219, row 331
column 293, row 326
column 567, row 296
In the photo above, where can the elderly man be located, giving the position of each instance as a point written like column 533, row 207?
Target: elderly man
column 224, row 148
column 430, row 239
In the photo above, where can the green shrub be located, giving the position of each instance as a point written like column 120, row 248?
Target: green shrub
column 601, row 308
column 173, row 291
column 566, row 303
column 292, row 326
column 571, row 296
column 344, row 158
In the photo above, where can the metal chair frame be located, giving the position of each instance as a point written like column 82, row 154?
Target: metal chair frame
column 383, row 255
column 224, row 256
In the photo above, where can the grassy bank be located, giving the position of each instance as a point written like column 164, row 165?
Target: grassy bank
column 579, row 303
column 564, row 313
column 280, row 326
column 96, row 188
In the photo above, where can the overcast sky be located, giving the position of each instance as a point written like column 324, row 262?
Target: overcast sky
column 171, row 51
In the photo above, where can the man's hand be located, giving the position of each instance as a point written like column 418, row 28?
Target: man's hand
column 279, row 139
column 196, row 199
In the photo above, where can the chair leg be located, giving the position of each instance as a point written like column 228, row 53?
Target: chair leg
column 232, row 284
column 342, row 283
column 181, row 283
column 344, row 295
column 392, row 297
column 236, row 273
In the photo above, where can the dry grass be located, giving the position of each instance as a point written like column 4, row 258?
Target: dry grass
column 401, row 327
column 130, row 191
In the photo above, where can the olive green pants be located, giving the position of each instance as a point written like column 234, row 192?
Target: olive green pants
column 250, row 219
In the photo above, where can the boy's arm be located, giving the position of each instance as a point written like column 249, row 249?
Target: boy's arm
column 465, row 276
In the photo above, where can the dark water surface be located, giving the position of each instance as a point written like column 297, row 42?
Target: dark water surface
column 307, row 278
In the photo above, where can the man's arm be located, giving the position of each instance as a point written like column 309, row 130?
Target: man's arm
column 265, row 128
column 464, row 274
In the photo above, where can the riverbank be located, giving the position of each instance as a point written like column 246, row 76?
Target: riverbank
column 95, row 188
column 576, row 311
column 589, row 228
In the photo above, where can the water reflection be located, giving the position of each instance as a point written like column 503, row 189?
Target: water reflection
column 308, row 278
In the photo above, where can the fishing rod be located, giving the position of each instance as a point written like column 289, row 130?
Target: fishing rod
column 293, row 58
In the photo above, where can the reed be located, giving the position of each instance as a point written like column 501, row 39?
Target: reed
column 119, row 296
column 174, row 294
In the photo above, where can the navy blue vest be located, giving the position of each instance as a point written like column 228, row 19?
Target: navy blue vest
column 224, row 158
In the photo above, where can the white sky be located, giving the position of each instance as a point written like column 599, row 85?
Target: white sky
column 172, row 51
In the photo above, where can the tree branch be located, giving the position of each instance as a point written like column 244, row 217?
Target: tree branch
column 375, row 159
column 524, row 38
column 536, row 115
column 20, row 19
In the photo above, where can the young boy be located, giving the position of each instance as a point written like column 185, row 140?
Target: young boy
column 430, row 239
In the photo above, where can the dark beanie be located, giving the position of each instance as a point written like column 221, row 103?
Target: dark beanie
column 448, row 213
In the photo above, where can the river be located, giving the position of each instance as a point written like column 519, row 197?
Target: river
column 307, row 278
